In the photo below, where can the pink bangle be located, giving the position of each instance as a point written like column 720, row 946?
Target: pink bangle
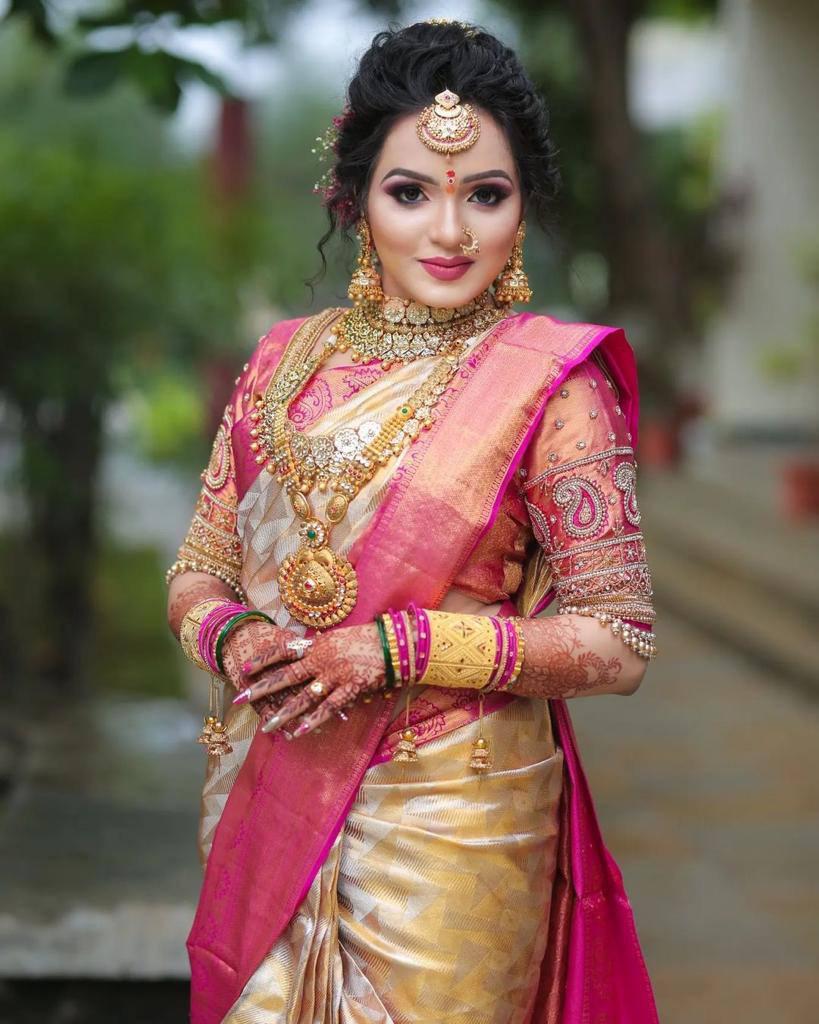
column 422, row 630
column 413, row 668
column 403, row 646
column 211, row 627
column 511, row 655
column 493, row 679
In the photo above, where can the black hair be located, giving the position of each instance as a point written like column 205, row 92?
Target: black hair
column 401, row 72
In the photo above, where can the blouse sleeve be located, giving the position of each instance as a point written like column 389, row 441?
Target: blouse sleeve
column 212, row 543
column 579, row 486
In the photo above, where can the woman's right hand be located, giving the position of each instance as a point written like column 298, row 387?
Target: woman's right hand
column 251, row 639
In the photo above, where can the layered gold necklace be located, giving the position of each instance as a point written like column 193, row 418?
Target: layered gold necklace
column 318, row 585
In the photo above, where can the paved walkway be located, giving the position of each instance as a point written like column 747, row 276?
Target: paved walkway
column 707, row 786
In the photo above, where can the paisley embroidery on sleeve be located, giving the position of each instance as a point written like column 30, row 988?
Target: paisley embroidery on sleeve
column 220, row 465
column 583, row 504
column 540, row 528
column 625, row 477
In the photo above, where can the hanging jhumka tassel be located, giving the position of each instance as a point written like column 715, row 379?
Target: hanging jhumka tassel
column 405, row 750
column 481, row 759
column 214, row 731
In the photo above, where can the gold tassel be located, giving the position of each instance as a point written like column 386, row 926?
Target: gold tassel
column 214, row 731
column 207, row 730
column 405, row 750
column 481, row 759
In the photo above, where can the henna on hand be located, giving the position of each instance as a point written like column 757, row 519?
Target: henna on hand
column 255, row 640
column 559, row 662
column 189, row 589
column 348, row 661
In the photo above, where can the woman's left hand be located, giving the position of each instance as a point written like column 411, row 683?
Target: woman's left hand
column 338, row 667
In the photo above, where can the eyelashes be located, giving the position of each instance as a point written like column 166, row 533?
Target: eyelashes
column 413, row 195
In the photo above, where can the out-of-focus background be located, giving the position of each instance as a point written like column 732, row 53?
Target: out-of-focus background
column 157, row 215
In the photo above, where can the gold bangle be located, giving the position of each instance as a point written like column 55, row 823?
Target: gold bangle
column 462, row 650
column 392, row 643
column 519, row 659
column 189, row 630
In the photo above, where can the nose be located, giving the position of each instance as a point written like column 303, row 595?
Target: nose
column 447, row 226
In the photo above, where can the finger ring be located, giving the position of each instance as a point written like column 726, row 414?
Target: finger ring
column 318, row 688
column 342, row 715
column 300, row 645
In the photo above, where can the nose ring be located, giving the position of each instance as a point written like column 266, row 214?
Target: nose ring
column 471, row 249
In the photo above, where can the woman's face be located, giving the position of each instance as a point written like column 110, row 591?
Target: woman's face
column 419, row 202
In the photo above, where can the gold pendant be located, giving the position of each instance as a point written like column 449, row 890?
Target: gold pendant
column 318, row 586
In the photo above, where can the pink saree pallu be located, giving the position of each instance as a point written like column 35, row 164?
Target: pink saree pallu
column 290, row 800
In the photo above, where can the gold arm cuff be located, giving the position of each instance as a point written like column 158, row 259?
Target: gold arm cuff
column 462, row 650
column 189, row 630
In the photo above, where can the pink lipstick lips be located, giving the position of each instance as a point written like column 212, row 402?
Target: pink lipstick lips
column 447, row 268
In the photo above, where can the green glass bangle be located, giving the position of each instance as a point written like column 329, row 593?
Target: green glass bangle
column 231, row 624
column 385, row 647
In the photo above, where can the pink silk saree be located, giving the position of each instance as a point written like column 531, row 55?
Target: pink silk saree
column 291, row 799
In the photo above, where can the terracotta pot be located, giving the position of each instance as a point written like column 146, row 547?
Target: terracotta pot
column 800, row 489
column 659, row 444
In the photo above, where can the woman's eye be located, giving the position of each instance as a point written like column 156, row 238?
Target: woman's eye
column 408, row 194
column 488, row 196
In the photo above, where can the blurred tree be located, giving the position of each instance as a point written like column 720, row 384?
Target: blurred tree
column 109, row 267
column 623, row 202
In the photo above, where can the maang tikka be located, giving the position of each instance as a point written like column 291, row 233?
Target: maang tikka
column 365, row 284
column 512, row 284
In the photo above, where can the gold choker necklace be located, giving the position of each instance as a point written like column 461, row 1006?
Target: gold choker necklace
column 397, row 331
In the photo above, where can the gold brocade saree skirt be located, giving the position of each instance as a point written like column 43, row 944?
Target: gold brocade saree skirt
column 433, row 903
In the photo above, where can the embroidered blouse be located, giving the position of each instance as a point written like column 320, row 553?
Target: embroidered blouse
column 574, row 496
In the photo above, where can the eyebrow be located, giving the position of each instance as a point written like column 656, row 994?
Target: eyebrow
column 431, row 181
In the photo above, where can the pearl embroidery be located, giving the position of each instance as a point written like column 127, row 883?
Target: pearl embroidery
column 593, row 414
column 580, row 444
column 560, row 424
column 625, row 477
column 583, row 504
column 564, row 392
column 540, row 527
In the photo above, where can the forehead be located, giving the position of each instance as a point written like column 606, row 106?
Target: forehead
column 403, row 148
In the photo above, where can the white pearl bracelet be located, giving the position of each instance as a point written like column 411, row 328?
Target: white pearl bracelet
column 641, row 641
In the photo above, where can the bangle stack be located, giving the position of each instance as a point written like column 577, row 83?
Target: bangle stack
column 641, row 641
column 207, row 625
column 479, row 652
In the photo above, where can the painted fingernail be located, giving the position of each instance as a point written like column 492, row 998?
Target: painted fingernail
column 247, row 667
column 243, row 697
column 301, row 729
column 272, row 723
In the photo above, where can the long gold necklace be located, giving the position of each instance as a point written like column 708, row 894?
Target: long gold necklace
column 318, row 585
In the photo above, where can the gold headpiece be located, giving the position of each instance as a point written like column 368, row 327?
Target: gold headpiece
column 447, row 125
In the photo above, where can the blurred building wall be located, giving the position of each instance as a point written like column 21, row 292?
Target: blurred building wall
column 770, row 148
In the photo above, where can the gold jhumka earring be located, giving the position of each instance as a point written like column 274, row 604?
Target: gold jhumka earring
column 365, row 284
column 512, row 284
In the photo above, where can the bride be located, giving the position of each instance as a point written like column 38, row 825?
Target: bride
column 395, row 821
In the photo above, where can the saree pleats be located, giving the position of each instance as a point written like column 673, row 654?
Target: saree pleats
column 433, row 903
